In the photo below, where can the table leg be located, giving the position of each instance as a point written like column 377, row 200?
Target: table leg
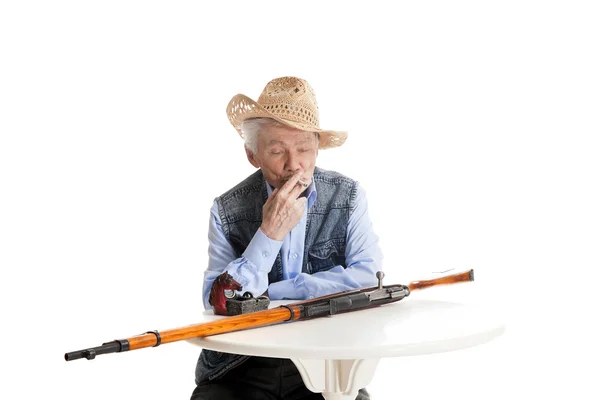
column 336, row 379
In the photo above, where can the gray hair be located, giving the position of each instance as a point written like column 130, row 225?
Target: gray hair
column 252, row 126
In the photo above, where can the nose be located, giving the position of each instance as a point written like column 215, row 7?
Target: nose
column 292, row 162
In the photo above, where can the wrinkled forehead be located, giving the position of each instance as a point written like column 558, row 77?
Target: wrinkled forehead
column 285, row 136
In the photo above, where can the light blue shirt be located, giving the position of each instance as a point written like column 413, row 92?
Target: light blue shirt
column 363, row 257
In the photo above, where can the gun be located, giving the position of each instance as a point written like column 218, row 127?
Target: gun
column 342, row 302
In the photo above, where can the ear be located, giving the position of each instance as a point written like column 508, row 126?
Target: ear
column 251, row 157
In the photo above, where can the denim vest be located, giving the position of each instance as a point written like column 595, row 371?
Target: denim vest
column 240, row 210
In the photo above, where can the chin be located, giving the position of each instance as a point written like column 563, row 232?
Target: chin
column 275, row 183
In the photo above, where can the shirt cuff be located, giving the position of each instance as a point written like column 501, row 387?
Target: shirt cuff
column 262, row 251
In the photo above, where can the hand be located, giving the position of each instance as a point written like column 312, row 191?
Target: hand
column 283, row 210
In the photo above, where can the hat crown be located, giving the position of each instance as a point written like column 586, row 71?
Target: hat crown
column 288, row 100
column 291, row 98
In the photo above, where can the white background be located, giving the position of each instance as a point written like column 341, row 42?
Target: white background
column 473, row 127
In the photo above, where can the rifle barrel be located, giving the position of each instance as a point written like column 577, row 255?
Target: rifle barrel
column 155, row 338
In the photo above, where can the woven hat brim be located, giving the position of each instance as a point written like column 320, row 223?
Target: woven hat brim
column 242, row 107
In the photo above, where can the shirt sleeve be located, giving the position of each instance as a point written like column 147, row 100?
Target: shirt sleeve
column 250, row 270
column 363, row 260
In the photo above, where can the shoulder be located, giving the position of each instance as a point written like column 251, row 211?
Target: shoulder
column 253, row 184
column 334, row 190
column 331, row 177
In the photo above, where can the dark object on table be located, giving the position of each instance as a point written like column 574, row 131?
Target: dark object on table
column 246, row 303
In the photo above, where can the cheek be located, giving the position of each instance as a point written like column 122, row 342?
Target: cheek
column 309, row 159
column 273, row 165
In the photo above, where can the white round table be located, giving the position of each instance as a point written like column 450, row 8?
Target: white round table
column 337, row 355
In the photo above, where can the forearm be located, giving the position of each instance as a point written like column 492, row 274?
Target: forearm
column 337, row 279
column 250, row 270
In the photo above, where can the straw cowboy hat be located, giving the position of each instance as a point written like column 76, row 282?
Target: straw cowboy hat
column 288, row 100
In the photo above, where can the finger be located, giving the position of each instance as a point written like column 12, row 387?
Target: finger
column 272, row 196
column 300, row 203
column 300, row 187
column 291, row 183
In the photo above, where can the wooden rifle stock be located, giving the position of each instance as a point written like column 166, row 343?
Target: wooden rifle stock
column 444, row 280
column 320, row 306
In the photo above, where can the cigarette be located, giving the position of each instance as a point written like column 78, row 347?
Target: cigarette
column 304, row 184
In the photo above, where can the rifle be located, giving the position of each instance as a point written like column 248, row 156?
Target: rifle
column 346, row 301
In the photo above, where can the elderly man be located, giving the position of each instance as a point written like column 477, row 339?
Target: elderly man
column 290, row 230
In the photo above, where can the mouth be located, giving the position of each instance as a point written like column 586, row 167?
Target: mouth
column 287, row 178
column 302, row 182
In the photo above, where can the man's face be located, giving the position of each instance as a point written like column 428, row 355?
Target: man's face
column 282, row 151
